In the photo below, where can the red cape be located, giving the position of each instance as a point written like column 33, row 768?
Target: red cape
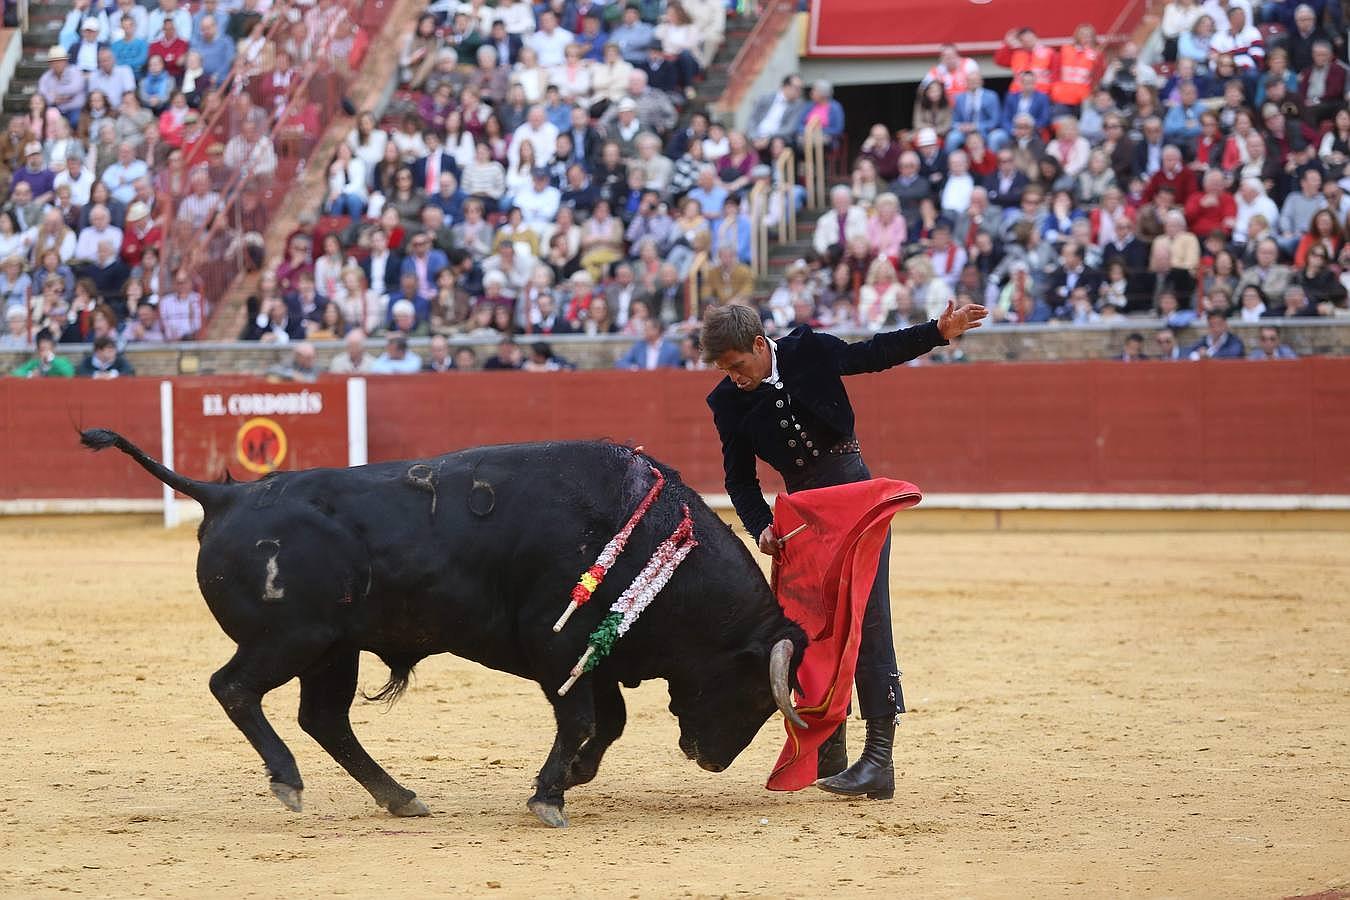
column 822, row 578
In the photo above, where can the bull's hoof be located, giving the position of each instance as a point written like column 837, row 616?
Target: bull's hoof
column 289, row 796
column 550, row 815
column 413, row 807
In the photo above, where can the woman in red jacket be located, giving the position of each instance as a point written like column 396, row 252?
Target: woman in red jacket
column 1324, row 230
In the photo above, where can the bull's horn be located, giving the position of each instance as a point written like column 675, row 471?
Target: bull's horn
column 780, row 662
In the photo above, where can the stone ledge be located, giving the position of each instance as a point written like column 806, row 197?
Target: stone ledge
column 995, row 343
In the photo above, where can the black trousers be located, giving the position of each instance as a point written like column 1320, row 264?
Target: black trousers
column 878, row 675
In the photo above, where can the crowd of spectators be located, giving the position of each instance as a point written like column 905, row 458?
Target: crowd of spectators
column 114, row 182
column 1207, row 185
column 543, row 171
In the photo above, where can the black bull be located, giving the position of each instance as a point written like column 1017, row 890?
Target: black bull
column 475, row 553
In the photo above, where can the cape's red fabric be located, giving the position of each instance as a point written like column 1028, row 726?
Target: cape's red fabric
column 822, row 578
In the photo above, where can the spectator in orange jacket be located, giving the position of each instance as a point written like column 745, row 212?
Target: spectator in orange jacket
column 1023, row 51
column 1076, row 69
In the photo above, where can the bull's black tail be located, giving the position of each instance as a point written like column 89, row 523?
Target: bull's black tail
column 204, row 492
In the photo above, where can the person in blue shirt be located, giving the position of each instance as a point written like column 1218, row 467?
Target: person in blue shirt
column 424, row 262
column 210, row 8
column 1283, row 11
column 156, row 86
column 733, row 230
column 976, row 110
column 653, row 351
column 1219, row 343
column 556, row 110
column 1028, row 100
column 1269, row 346
column 633, row 36
column 709, row 193
column 449, row 198
column 216, row 49
column 396, row 359
column 131, row 50
column 1188, row 71
column 1181, row 125
column 593, row 37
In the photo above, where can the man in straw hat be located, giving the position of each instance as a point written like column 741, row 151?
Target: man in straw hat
column 784, row 402
column 62, row 85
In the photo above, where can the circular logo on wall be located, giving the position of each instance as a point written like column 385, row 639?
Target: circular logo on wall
column 260, row 445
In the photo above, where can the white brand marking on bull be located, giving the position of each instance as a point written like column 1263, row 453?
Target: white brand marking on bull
column 272, row 592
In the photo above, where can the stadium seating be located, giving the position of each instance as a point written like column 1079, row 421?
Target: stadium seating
column 553, row 170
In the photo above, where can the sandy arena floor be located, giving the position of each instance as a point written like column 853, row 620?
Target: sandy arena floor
column 1138, row 714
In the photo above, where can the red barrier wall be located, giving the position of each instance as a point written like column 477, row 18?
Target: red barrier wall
column 1096, row 427
column 254, row 427
column 40, row 452
column 918, row 27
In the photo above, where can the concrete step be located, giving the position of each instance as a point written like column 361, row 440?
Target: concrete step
column 16, row 103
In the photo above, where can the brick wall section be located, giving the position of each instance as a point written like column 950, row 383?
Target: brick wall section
column 1016, row 343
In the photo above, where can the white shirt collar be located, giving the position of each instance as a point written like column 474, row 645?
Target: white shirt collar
column 773, row 358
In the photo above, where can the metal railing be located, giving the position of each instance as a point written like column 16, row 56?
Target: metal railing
column 693, row 285
column 785, row 170
column 758, row 204
column 813, row 163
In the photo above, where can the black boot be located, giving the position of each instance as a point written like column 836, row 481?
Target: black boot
column 832, row 757
column 873, row 774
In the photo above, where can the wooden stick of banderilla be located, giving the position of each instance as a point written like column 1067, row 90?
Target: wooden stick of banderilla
column 577, row 671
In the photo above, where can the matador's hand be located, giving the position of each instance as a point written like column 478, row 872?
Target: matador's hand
column 955, row 322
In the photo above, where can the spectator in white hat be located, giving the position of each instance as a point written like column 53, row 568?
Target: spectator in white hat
column 80, row 10
column 84, row 51
column 35, row 174
column 62, row 85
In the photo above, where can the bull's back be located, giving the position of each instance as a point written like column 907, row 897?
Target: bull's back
column 473, row 552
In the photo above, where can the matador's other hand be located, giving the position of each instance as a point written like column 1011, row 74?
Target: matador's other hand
column 955, row 322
